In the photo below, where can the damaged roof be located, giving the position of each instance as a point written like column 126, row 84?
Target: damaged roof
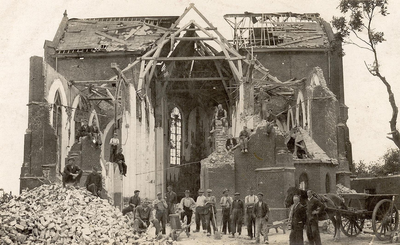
column 133, row 34
column 280, row 30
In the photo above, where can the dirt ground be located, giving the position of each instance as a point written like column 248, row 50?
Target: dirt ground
column 274, row 238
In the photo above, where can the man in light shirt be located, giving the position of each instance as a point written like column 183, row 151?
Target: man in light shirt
column 225, row 203
column 114, row 143
column 210, row 202
column 187, row 204
column 249, row 202
column 199, row 215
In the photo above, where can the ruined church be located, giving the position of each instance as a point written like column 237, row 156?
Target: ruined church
column 154, row 83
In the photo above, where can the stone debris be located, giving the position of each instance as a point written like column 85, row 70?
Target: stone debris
column 218, row 159
column 341, row 189
column 51, row 214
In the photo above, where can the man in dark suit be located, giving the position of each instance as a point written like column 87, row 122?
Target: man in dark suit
column 297, row 219
column 314, row 208
column 93, row 182
column 261, row 212
column 72, row 173
column 134, row 201
column 237, row 212
column 230, row 143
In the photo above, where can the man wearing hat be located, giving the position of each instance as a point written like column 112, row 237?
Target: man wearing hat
column 72, row 173
column 297, row 220
column 226, row 202
column 120, row 160
column 212, row 211
column 161, row 207
column 171, row 199
column 143, row 217
column 314, row 208
column 237, row 212
column 93, row 182
column 84, row 130
column 134, row 201
column 188, row 204
column 200, row 211
column 249, row 202
column 114, row 143
column 261, row 212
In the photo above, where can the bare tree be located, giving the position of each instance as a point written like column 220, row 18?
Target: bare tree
column 356, row 22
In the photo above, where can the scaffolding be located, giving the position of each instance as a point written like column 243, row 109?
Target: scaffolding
column 271, row 30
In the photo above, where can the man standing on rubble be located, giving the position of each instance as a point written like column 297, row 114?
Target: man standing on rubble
column 171, row 199
column 244, row 138
column 212, row 212
column 161, row 207
column 237, row 212
column 143, row 218
column 226, row 202
column 134, row 201
column 187, row 204
column 249, row 202
column 200, row 211
column 93, row 182
column 261, row 212
column 72, row 173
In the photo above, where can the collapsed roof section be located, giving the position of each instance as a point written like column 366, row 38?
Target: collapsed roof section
column 130, row 34
column 279, row 30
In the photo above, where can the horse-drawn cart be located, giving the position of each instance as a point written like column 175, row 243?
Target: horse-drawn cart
column 379, row 208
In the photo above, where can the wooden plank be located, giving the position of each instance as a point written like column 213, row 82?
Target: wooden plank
column 184, row 58
column 194, row 79
column 194, row 38
column 100, row 98
column 92, row 82
column 299, row 41
column 111, row 37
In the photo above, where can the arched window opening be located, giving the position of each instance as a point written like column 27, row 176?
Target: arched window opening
column 57, row 119
column 327, row 183
column 303, row 181
column 175, row 136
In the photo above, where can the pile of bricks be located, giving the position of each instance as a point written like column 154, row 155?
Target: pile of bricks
column 341, row 189
column 51, row 214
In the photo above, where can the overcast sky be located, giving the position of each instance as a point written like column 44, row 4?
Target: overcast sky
column 27, row 24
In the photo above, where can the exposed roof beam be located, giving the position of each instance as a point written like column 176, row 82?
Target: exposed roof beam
column 185, row 58
column 100, row 98
column 194, row 38
column 92, row 82
column 184, row 79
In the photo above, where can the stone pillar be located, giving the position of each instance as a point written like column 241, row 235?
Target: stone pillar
column 219, row 137
column 273, row 182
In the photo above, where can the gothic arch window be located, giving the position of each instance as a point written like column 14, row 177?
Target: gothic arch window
column 303, row 181
column 57, row 125
column 175, row 136
column 301, row 121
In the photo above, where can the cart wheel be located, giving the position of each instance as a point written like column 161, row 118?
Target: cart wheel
column 384, row 220
column 352, row 224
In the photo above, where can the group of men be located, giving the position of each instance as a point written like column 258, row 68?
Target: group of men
column 143, row 210
column 244, row 137
column 233, row 212
column 72, row 174
column 301, row 216
column 89, row 131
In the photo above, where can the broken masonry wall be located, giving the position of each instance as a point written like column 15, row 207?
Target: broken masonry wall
column 91, row 67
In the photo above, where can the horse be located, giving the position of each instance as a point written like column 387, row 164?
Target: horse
column 332, row 201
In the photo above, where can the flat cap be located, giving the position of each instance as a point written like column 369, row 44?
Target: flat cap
column 136, row 191
column 159, row 193
column 187, row 191
column 200, row 191
column 237, row 194
column 209, row 190
column 71, row 158
column 260, row 194
column 226, row 190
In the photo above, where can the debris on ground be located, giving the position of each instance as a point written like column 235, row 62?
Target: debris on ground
column 341, row 189
column 51, row 214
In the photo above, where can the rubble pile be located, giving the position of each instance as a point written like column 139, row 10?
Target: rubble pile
column 341, row 189
column 50, row 214
column 217, row 159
